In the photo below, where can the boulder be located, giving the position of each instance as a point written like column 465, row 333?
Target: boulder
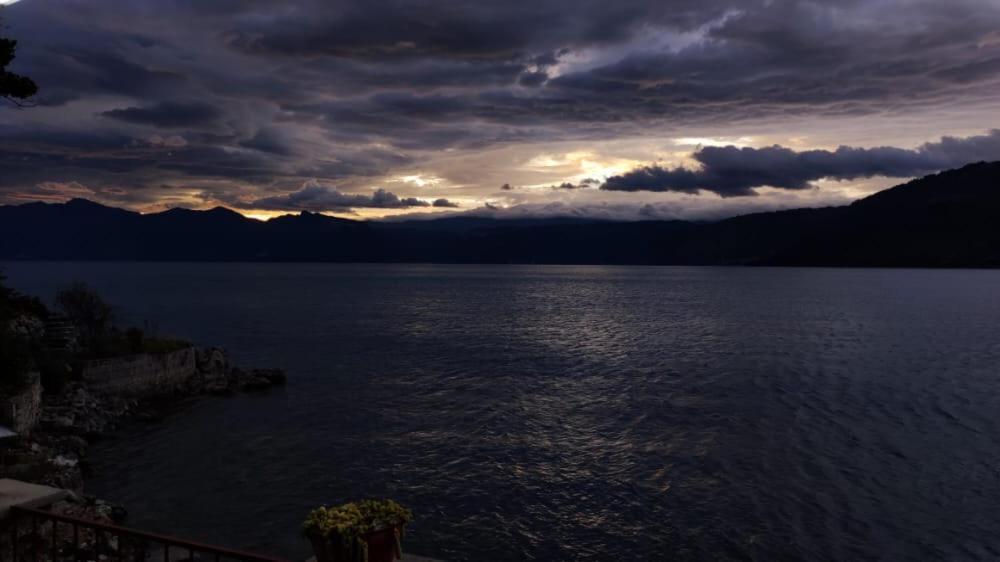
column 212, row 360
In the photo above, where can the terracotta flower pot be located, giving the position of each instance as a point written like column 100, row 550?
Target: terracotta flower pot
column 381, row 547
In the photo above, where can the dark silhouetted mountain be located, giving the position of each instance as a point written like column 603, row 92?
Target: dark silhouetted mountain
column 951, row 219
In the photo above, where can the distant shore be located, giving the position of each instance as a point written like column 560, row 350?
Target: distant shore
column 943, row 220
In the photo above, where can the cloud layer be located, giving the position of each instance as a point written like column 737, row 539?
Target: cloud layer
column 148, row 103
column 731, row 171
column 167, row 114
column 315, row 197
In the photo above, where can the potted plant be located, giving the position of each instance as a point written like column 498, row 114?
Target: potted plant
column 364, row 531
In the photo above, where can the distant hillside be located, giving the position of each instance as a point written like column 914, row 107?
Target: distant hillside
column 951, row 219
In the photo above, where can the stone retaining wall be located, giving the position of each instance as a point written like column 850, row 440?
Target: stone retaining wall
column 141, row 375
column 21, row 411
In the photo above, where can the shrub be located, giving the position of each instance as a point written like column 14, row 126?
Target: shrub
column 87, row 311
column 13, row 303
column 15, row 349
column 132, row 341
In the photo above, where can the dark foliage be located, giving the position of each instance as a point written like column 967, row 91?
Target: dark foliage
column 86, row 310
column 99, row 338
column 13, row 86
column 15, row 351
column 131, row 341
column 13, row 303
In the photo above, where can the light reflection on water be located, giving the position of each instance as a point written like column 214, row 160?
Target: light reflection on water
column 577, row 412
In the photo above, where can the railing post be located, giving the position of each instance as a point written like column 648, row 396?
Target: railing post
column 14, row 521
column 34, row 537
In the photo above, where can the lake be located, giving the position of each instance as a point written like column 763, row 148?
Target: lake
column 575, row 413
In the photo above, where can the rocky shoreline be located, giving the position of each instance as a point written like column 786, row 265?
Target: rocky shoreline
column 55, row 452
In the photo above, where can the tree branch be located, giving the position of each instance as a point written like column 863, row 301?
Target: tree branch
column 19, row 104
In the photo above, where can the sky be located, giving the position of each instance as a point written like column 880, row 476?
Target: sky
column 631, row 109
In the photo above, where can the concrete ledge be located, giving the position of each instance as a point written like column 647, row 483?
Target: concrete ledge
column 144, row 374
column 23, row 494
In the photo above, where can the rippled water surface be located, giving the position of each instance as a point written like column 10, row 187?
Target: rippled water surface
column 584, row 413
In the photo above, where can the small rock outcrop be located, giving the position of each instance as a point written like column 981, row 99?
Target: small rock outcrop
column 216, row 375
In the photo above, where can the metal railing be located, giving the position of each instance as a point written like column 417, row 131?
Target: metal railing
column 38, row 535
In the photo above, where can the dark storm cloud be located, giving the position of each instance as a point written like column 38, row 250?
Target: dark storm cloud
column 582, row 184
column 444, row 203
column 315, row 197
column 763, row 57
column 168, row 114
column 349, row 76
column 65, row 156
column 794, row 57
column 457, row 29
column 269, row 140
column 532, row 79
column 730, row 171
column 69, row 76
column 122, row 170
column 260, row 96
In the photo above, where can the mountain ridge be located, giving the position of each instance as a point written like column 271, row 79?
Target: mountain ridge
column 949, row 219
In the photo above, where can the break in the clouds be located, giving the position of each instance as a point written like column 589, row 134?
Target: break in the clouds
column 731, row 171
column 154, row 103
